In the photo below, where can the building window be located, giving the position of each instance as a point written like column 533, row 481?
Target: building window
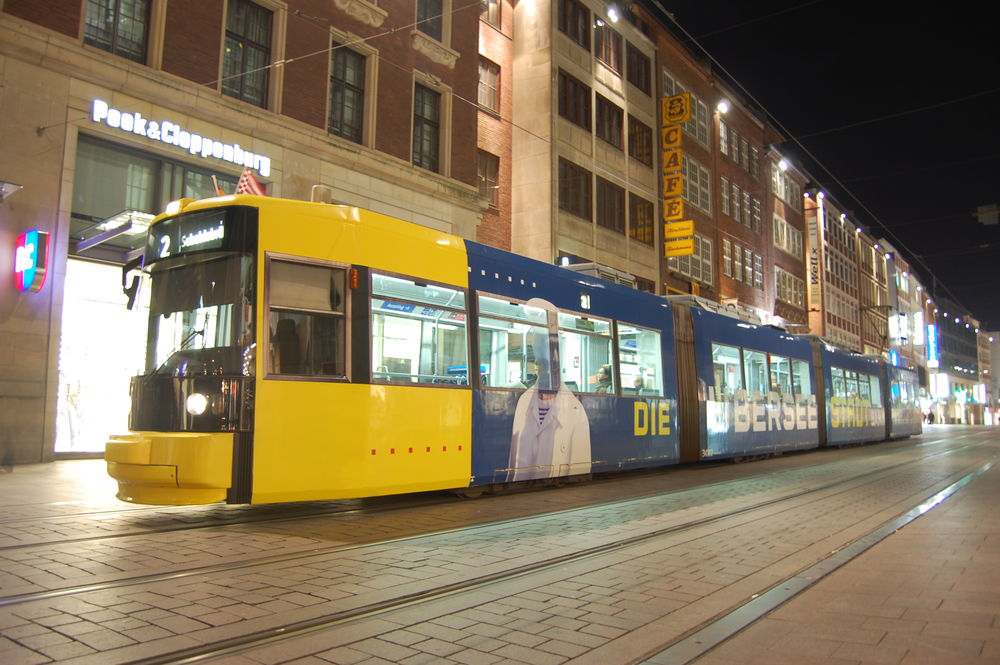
column 426, row 127
column 637, row 68
column 790, row 289
column 118, row 26
column 574, row 22
column 347, row 94
column 785, row 188
column 640, row 219
column 727, row 257
column 697, row 126
column 490, row 12
column 608, row 46
column 489, row 170
column 609, row 122
column 725, row 196
column 723, row 138
column 640, row 141
column 697, row 266
column 574, row 100
column 574, row 189
column 787, row 238
column 430, row 19
column 610, row 205
column 697, row 188
column 489, row 85
column 247, row 52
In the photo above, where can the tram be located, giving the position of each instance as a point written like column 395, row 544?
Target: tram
column 301, row 351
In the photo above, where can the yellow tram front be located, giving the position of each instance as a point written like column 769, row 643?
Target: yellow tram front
column 192, row 410
column 262, row 380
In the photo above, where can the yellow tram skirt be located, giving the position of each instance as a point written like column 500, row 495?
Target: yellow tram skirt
column 170, row 468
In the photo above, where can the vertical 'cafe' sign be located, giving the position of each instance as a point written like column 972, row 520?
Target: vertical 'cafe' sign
column 678, row 235
column 31, row 260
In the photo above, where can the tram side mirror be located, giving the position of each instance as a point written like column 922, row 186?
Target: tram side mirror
column 131, row 291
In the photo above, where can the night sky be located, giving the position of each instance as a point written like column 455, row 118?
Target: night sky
column 895, row 111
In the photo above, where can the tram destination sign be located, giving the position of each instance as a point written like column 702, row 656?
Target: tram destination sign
column 185, row 234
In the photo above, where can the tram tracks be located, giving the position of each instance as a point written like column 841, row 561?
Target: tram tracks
column 308, row 552
column 847, row 481
column 291, row 630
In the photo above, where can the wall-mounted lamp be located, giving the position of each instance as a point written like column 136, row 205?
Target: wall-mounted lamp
column 722, row 106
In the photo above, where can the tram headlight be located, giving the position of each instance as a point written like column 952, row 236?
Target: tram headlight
column 196, row 404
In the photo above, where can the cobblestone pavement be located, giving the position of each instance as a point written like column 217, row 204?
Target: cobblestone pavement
column 617, row 606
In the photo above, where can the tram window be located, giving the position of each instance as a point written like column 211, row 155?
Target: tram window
column 503, row 353
column 639, row 360
column 585, row 354
column 851, row 382
column 864, row 390
column 413, row 342
column 801, row 382
column 506, row 354
column 839, row 385
column 727, row 368
column 781, row 375
column 875, row 390
column 306, row 319
column 757, row 376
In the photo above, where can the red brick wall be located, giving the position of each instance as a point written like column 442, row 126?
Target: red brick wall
column 495, row 133
column 62, row 16
column 192, row 47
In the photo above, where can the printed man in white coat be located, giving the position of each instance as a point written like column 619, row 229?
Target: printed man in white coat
column 551, row 435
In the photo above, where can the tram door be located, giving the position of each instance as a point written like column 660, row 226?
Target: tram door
column 102, row 345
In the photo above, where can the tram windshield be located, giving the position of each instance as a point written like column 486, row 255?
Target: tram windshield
column 201, row 316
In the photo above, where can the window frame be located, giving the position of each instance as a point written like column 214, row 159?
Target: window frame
column 238, row 91
column 640, row 141
column 574, row 22
column 611, row 205
column 115, row 34
column 566, row 202
column 638, row 68
column 344, row 314
column 337, row 48
column 489, row 187
column 489, row 86
column 372, row 295
column 608, row 46
column 574, row 101
column 421, row 125
column 609, row 122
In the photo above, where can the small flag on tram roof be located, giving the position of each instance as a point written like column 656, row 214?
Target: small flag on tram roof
column 218, row 188
column 249, row 185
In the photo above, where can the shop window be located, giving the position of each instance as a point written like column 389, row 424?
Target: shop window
column 118, row 26
column 418, row 333
column 247, row 52
column 306, row 319
column 347, row 94
column 639, row 360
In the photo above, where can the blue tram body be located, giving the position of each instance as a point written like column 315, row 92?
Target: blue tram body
column 905, row 416
column 854, row 396
column 630, row 426
column 756, row 388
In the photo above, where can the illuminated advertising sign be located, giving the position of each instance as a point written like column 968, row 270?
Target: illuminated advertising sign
column 31, row 260
column 171, row 133
column 933, row 355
